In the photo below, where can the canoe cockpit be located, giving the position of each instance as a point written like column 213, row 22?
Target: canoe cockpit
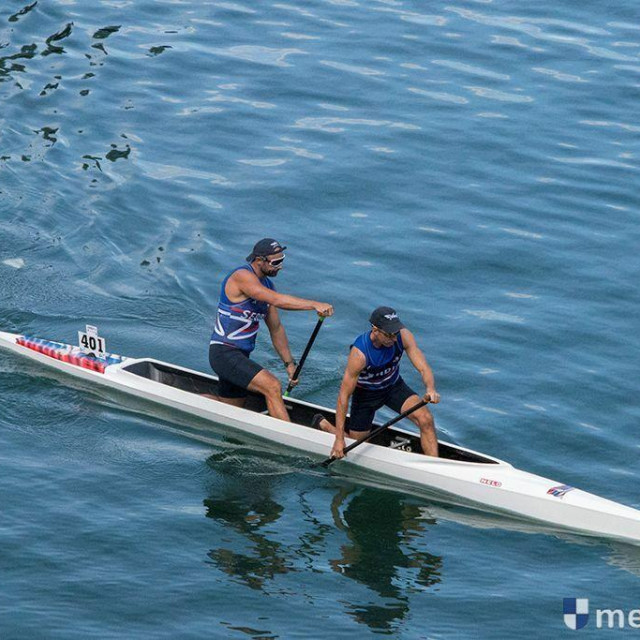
column 300, row 412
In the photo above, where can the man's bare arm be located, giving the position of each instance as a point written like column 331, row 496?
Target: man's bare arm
column 249, row 285
column 279, row 339
column 355, row 364
column 420, row 363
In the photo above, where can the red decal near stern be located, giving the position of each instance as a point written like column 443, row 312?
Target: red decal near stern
column 64, row 353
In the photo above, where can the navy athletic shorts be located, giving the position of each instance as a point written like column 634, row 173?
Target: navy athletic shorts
column 365, row 403
column 234, row 368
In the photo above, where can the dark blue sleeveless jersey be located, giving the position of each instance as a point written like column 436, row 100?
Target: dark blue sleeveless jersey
column 237, row 323
column 382, row 368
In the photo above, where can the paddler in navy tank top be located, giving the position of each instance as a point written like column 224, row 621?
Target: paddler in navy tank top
column 372, row 379
column 247, row 296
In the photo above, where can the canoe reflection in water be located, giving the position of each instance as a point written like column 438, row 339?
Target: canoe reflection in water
column 373, row 541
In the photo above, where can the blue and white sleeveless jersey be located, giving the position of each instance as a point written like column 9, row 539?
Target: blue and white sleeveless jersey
column 237, row 323
column 382, row 368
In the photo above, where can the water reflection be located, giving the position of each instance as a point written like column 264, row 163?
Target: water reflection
column 248, row 516
column 51, row 41
column 27, row 52
column 368, row 535
column 380, row 527
column 23, row 12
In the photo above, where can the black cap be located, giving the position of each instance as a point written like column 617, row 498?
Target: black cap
column 265, row 247
column 386, row 318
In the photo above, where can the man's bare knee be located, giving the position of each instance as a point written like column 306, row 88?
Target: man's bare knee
column 423, row 418
column 325, row 425
column 274, row 388
column 269, row 386
column 266, row 384
column 427, row 422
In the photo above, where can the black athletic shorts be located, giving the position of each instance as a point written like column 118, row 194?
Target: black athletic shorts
column 234, row 368
column 365, row 403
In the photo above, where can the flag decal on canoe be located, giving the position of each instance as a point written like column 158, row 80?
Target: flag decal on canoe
column 68, row 353
column 560, row 491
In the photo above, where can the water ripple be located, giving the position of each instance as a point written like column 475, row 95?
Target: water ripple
column 328, row 125
column 363, row 71
column 217, row 96
column 260, row 54
column 469, row 164
column 414, row 17
column 595, row 162
column 234, row 6
column 489, row 314
column 471, row 69
column 501, row 96
column 558, row 75
column 159, row 171
column 439, row 95
column 614, row 125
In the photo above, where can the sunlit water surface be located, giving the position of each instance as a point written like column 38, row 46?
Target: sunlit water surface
column 473, row 164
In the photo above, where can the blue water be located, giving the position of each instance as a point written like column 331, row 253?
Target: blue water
column 473, row 164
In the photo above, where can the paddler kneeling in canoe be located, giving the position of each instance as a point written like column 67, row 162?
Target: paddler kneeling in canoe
column 372, row 379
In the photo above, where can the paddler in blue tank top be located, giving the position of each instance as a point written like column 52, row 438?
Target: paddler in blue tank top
column 247, row 296
column 372, row 379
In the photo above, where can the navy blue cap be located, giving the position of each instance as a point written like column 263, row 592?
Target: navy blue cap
column 386, row 318
column 265, row 247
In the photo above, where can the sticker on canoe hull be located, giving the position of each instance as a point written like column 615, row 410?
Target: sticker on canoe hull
column 491, row 483
column 560, row 491
column 68, row 353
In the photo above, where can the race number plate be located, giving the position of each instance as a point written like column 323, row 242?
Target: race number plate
column 91, row 343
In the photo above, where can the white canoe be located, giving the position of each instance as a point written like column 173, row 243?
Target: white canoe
column 459, row 475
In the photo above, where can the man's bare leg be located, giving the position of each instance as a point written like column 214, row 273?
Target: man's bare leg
column 325, row 425
column 269, row 386
column 424, row 420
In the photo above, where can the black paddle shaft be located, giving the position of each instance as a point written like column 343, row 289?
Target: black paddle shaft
column 380, row 429
column 305, row 354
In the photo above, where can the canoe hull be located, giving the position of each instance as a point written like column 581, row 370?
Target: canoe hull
column 474, row 480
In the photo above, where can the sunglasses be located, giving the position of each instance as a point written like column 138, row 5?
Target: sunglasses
column 386, row 334
column 276, row 262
